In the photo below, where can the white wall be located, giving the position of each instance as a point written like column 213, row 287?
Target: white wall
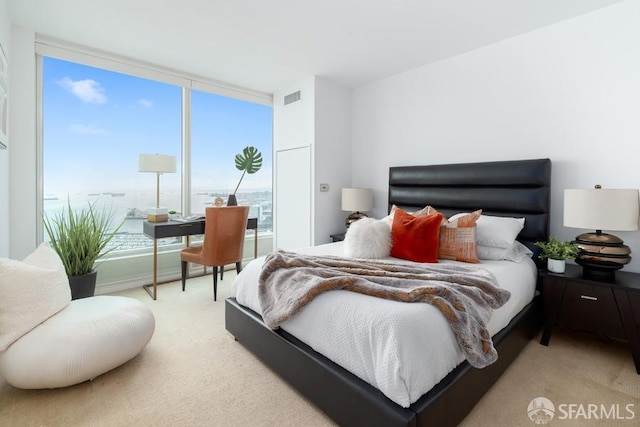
column 293, row 141
column 23, row 182
column 5, row 42
column 333, row 157
column 570, row 92
column 320, row 120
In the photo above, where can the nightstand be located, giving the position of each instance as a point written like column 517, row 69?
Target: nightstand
column 610, row 309
column 339, row 237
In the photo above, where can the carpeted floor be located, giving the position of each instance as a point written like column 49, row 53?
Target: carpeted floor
column 193, row 373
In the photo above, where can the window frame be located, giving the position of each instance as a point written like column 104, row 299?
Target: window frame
column 49, row 47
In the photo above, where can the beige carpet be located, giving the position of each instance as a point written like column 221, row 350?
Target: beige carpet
column 193, row 373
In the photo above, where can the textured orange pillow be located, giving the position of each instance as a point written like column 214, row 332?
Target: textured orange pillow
column 415, row 238
column 458, row 239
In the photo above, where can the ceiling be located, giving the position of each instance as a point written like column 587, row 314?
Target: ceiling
column 269, row 45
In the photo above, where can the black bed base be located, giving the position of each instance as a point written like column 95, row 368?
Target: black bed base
column 349, row 401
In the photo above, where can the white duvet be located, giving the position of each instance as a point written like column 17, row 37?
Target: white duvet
column 402, row 349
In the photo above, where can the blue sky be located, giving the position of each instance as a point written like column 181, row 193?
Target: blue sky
column 97, row 122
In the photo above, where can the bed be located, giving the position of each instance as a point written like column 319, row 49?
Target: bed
column 511, row 189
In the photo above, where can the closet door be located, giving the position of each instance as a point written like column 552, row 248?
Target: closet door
column 293, row 198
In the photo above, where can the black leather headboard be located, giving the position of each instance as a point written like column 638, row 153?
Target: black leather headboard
column 517, row 188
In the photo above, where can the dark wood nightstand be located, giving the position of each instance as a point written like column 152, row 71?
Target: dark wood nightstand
column 338, row 237
column 610, row 309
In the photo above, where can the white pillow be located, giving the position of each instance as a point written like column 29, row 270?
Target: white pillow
column 516, row 253
column 368, row 238
column 31, row 291
column 496, row 231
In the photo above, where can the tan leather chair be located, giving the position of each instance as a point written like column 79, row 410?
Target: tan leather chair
column 223, row 243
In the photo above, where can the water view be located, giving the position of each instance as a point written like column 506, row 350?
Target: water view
column 131, row 208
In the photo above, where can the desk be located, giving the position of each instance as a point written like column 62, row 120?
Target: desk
column 160, row 230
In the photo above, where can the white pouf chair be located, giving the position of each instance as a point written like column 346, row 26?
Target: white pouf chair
column 49, row 341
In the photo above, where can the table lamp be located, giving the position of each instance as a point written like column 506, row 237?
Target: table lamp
column 356, row 200
column 601, row 254
column 158, row 164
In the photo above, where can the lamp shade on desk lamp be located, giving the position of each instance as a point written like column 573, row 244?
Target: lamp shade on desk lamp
column 158, row 164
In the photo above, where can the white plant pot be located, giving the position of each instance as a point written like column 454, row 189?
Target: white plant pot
column 555, row 265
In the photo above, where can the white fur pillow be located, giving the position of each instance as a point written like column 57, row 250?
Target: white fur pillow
column 31, row 291
column 368, row 238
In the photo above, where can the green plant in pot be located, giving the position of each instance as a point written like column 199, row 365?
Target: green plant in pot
column 249, row 162
column 556, row 252
column 80, row 237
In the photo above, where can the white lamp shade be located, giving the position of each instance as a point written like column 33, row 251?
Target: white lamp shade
column 357, row 199
column 157, row 163
column 601, row 209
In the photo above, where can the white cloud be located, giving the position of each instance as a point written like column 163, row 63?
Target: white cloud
column 88, row 130
column 89, row 91
column 145, row 103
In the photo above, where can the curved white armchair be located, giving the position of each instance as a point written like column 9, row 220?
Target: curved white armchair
column 49, row 341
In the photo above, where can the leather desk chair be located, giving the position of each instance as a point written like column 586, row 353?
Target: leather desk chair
column 223, row 242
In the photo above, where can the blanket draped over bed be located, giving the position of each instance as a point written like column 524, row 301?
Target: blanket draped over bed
column 465, row 296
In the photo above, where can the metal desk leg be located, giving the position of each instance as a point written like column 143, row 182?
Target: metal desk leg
column 155, row 272
column 255, row 243
column 155, row 269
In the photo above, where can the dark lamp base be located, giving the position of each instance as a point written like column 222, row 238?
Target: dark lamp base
column 353, row 218
column 601, row 254
column 598, row 272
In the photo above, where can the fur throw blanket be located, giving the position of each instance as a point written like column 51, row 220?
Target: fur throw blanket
column 465, row 296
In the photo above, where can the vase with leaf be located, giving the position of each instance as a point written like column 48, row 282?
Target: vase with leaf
column 556, row 252
column 249, row 162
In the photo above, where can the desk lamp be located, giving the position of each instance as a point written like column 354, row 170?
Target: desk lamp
column 158, row 164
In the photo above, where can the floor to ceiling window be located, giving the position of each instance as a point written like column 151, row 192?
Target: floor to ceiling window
column 220, row 128
column 96, row 122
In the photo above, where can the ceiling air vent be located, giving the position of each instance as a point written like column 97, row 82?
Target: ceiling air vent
column 292, row 97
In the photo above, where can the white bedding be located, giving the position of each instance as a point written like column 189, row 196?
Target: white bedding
column 399, row 348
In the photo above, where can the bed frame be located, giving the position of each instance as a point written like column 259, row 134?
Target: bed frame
column 510, row 188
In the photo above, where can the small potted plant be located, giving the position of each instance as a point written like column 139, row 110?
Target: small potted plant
column 249, row 162
column 556, row 252
column 80, row 237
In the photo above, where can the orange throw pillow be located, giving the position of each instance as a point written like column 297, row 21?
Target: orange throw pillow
column 458, row 239
column 415, row 238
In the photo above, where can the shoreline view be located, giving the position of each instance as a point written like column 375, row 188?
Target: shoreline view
column 131, row 209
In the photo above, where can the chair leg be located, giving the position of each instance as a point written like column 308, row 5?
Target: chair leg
column 238, row 266
column 215, row 283
column 222, row 272
column 184, row 273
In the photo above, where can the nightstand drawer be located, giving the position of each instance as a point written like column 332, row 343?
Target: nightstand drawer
column 592, row 309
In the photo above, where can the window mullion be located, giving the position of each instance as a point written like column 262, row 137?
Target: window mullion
column 186, row 150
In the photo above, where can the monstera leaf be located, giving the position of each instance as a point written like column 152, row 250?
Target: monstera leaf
column 249, row 162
